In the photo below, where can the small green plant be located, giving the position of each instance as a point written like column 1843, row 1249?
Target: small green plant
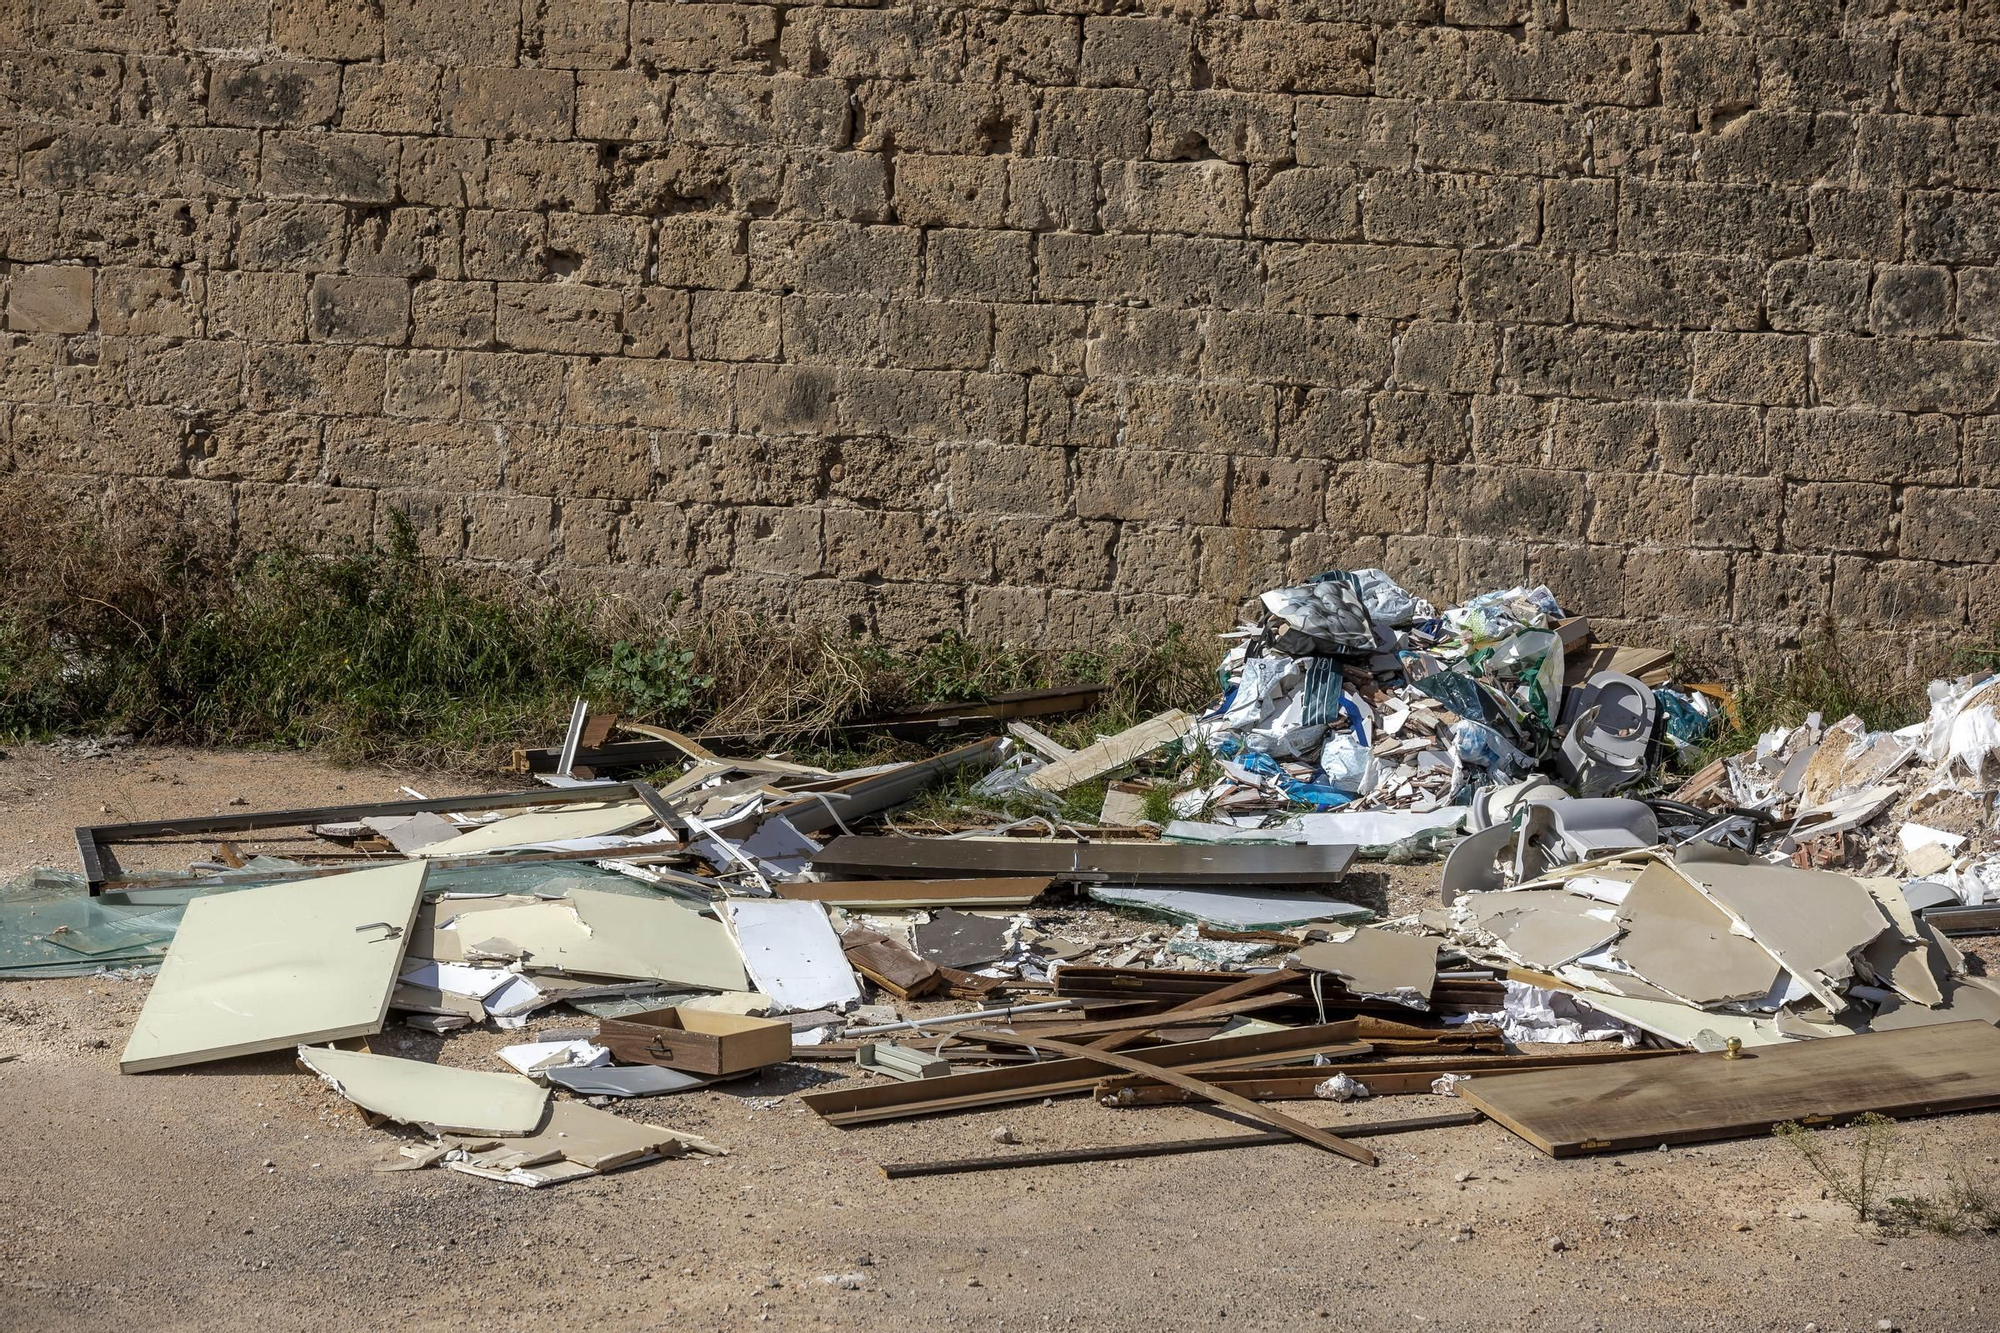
column 1159, row 805
column 1856, row 1187
column 650, row 680
column 1979, row 656
column 1968, row 1202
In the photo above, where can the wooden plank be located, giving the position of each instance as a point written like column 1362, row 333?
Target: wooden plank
column 1139, row 1024
column 888, row 964
column 1006, row 891
column 1696, row 1097
column 1126, row 1152
column 1113, row 752
column 1250, row 987
column 1312, row 1134
column 1381, row 1078
column 1037, row 742
column 882, row 791
column 999, row 1087
column 1129, row 863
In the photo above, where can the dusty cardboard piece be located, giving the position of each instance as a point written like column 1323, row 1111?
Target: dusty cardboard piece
column 614, row 935
column 1814, row 922
column 543, row 826
column 267, row 968
column 1679, row 941
column 792, row 954
column 441, row 1099
column 1379, row 963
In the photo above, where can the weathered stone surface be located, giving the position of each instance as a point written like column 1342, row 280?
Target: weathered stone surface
column 1048, row 324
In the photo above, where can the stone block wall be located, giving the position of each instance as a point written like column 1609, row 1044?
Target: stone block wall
column 1037, row 320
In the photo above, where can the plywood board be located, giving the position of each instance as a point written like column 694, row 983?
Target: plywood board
column 1681, row 942
column 615, row 935
column 1010, row 891
column 1692, row 1098
column 463, row 1101
column 1812, row 921
column 265, row 969
column 792, row 954
column 1148, row 863
column 543, row 826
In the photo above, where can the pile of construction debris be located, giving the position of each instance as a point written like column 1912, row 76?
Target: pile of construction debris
column 1793, row 904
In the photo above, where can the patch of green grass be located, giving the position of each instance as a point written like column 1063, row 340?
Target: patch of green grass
column 384, row 654
column 1819, row 679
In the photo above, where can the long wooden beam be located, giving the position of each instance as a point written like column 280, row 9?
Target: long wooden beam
column 1312, row 1134
column 1125, row 1152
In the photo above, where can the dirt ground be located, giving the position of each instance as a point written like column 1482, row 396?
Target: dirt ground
column 242, row 1194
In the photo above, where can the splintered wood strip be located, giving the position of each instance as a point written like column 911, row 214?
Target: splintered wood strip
column 1221, row 1097
column 1169, row 1148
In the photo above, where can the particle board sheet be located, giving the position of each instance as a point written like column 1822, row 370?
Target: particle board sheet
column 792, row 954
column 542, row 826
column 1682, row 943
column 1143, row 863
column 611, row 935
column 267, row 968
column 462, row 1101
column 1814, row 921
column 1693, row 1098
column 1011, row 891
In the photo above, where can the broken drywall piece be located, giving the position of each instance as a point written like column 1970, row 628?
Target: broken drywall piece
column 1384, row 964
column 1813, row 922
column 540, row 827
column 792, row 954
column 441, row 1099
column 453, row 978
column 961, row 940
column 614, row 935
column 590, row 1138
column 266, row 968
column 1680, row 942
column 411, row 833
column 1543, row 928
column 1232, row 909
column 534, row 1058
column 534, row 1177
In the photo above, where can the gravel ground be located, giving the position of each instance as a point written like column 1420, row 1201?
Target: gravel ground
column 243, row 1193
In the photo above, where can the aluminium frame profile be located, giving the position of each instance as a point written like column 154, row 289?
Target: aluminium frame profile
column 94, row 842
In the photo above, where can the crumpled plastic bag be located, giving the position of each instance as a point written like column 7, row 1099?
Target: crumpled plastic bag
column 1964, row 732
column 1341, row 1088
column 1326, row 614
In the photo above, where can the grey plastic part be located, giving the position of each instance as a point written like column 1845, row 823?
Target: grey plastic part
column 1604, row 747
column 1557, row 833
column 623, row 1080
column 1473, row 865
